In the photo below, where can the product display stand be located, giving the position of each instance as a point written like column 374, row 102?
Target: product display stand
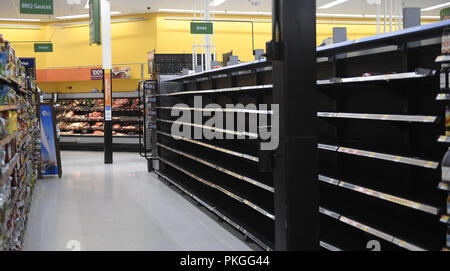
column 19, row 148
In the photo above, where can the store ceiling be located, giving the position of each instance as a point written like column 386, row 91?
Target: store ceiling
column 10, row 8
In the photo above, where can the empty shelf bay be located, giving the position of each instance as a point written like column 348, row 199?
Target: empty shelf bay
column 388, row 157
column 219, row 188
column 329, row 247
column 401, row 201
column 382, row 156
column 362, row 79
column 214, row 210
column 370, row 230
column 221, row 169
column 406, row 118
column 222, row 90
column 328, row 147
column 230, row 152
column 236, row 133
column 223, row 110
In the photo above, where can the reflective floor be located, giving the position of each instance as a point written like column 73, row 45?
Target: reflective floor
column 119, row 207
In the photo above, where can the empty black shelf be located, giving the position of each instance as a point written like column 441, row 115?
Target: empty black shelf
column 217, row 212
column 329, row 247
column 375, row 232
column 380, row 195
column 221, row 169
column 216, row 148
column 382, row 156
column 384, row 117
column 214, row 129
column 224, row 110
column 215, row 91
column 219, row 188
column 375, row 78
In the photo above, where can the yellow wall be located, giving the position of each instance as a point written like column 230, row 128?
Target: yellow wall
column 174, row 36
column 132, row 40
column 18, row 35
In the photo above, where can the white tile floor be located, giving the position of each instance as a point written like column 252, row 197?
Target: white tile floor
column 119, row 207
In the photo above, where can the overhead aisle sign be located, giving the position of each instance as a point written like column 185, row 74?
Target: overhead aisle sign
column 43, row 47
column 94, row 23
column 36, row 7
column 202, row 28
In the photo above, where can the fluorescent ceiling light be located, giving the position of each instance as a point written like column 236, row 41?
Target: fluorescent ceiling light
column 248, row 13
column 436, row 6
column 362, row 16
column 81, row 16
column 431, row 17
column 18, row 26
column 20, row 20
column 332, row 4
column 215, row 12
column 336, row 15
column 87, row 4
column 178, row 10
column 216, row 3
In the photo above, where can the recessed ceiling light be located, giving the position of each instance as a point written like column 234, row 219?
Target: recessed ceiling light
column 215, row 12
column 249, row 13
column 436, row 6
column 216, row 3
column 20, row 20
column 332, row 4
column 81, row 16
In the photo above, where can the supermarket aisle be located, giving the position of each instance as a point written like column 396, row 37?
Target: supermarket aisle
column 118, row 207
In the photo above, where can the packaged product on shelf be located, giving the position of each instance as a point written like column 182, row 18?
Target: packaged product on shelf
column 12, row 122
column 3, row 127
column 448, row 236
column 448, row 205
column 446, row 42
column 4, row 64
column 69, row 114
column 98, row 133
column 447, row 120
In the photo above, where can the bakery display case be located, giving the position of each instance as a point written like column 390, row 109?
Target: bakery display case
column 80, row 119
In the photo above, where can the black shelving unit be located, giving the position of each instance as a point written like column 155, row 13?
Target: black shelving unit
column 380, row 125
column 223, row 175
column 379, row 155
column 83, row 138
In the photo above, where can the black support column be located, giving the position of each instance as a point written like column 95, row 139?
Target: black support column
column 108, row 126
column 293, row 52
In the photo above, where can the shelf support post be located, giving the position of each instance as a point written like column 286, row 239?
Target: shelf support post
column 293, row 54
column 107, row 78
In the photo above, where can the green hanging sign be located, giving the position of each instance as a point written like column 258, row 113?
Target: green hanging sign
column 43, row 47
column 36, row 7
column 95, row 35
column 445, row 14
column 202, row 28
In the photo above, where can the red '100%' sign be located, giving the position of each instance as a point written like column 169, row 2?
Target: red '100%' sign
column 96, row 74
